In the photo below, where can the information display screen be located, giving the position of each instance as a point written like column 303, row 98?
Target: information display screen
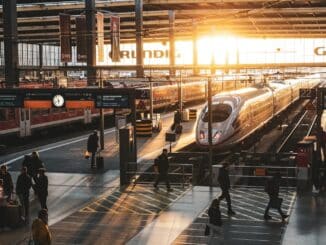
column 38, row 95
column 112, row 101
column 11, row 100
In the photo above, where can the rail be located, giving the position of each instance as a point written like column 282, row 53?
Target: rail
column 291, row 133
column 145, row 173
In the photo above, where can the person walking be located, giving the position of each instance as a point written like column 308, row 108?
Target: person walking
column 92, row 145
column 215, row 222
column 23, row 185
column 224, row 181
column 40, row 230
column 35, row 164
column 272, row 188
column 8, row 185
column 41, row 187
column 161, row 166
column 176, row 121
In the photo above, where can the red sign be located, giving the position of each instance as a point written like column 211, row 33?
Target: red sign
column 81, row 38
column 65, row 35
column 100, row 36
column 115, row 38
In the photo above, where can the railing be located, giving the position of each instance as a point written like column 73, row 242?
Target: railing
column 259, row 173
column 144, row 173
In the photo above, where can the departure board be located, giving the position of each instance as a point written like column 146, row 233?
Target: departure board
column 11, row 100
column 112, row 101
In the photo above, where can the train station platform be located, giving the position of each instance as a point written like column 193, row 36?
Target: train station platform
column 72, row 183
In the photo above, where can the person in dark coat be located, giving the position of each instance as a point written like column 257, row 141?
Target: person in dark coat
column 215, row 221
column 35, row 164
column 23, row 185
column 8, row 185
column 161, row 166
column 272, row 188
column 41, row 187
column 92, row 145
column 176, row 120
column 224, row 181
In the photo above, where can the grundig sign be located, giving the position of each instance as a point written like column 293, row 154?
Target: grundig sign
column 320, row 51
column 156, row 54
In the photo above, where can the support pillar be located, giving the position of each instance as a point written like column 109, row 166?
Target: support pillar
column 210, row 137
column 91, row 41
column 10, row 42
column 171, row 43
column 40, row 61
column 194, row 49
column 139, row 38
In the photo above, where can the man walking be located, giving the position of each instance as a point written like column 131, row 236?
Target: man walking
column 272, row 188
column 92, row 145
column 23, row 185
column 224, row 181
column 161, row 166
column 41, row 187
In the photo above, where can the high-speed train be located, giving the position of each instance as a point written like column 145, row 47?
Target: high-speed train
column 238, row 114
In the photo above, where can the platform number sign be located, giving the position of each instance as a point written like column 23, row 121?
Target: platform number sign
column 307, row 93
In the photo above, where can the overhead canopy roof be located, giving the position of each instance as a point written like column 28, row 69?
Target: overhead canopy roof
column 38, row 21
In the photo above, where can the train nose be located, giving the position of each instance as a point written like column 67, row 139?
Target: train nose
column 217, row 136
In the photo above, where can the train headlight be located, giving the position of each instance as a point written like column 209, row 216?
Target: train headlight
column 217, row 135
column 202, row 135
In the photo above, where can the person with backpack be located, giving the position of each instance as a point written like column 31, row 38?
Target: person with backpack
column 161, row 166
column 41, row 187
column 272, row 187
column 214, row 226
column 92, row 145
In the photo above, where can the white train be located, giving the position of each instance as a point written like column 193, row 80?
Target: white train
column 238, row 114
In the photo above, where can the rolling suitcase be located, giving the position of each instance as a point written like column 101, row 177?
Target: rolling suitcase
column 178, row 129
column 99, row 161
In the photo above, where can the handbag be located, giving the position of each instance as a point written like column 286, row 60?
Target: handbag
column 207, row 230
column 86, row 155
column 276, row 202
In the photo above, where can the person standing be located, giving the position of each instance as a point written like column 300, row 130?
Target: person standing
column 176, row 120
column 161, row 166
column 23, row 185
column 8, row 185
column 215, row 221
column 224, row 181
column 92, row 145
column 40, row 229
column 41, row 187
column 272, row 188
column 35, row 164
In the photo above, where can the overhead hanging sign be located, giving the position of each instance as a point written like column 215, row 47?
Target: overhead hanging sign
column 65, row 38
column 67, row 98
column 100, row 36
column 81, row 38
column 115, row 38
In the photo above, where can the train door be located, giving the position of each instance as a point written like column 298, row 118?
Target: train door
column 87, row 116
column 24, row 122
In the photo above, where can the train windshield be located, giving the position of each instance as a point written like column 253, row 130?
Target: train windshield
column 220, row 113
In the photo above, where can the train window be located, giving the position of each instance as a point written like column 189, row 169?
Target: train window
column 220, row 112
column 2, row 114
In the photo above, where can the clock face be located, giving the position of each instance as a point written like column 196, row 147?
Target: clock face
column 58, row 100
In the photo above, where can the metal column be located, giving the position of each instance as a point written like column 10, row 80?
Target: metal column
column 171, row 43
column 139, row 37
column 91, row 41
column 194, row 49
column 210, row 138
column 40, row 57
column 10, row 42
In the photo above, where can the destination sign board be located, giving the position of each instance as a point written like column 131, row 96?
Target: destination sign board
column 112, row 101
column 11, row 100
column 67, row 98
